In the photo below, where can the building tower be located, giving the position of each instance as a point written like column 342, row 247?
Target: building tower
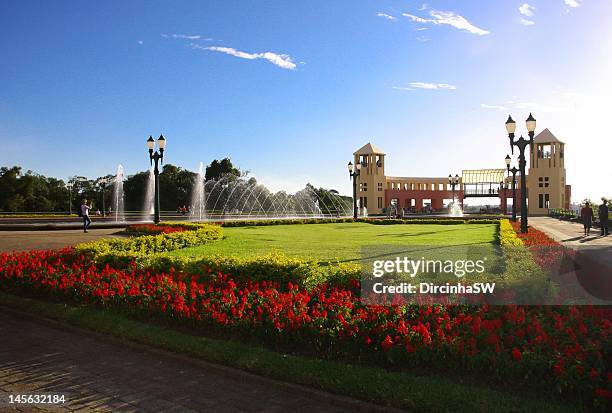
column 546, row 183
column 371, row 180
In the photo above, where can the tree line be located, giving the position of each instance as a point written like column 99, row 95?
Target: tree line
column 31, row 192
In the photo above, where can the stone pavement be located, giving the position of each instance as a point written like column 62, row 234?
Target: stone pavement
column 571, row 234
column 28, row 240
column 587, row 276
column 102, row 375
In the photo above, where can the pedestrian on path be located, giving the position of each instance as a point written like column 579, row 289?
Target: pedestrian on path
column 587, row 218
column 603, row 216
column 85, row 214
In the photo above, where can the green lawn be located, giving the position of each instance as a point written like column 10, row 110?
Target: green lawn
column 338, row 241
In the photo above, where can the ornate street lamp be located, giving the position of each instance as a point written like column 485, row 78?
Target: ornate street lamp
column 522, row 144
column 513, row 171
column 157, row 157
column 353, row 176
column 453, row 181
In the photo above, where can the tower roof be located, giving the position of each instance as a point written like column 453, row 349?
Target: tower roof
column 546, row 136
column 368, row 149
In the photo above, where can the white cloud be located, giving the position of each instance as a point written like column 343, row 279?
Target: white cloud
column 497, row 107
column 186, row 36
column 417, row 19
column 386, row 16
column 281, row 60
column 426, row 85
column 526, row 22
column 423, row 39
column 572, row 3
column 527, row 10
column 449, row 18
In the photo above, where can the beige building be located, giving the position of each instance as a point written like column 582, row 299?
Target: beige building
column 546, row 184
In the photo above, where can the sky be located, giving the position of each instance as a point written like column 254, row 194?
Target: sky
column 290, row 89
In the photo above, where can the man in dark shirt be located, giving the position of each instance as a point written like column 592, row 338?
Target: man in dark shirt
column 603, row 216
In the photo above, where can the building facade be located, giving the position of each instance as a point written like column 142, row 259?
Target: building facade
column 546, row 183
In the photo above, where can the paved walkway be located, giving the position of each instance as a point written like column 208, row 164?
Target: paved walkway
column 589, row 275
column 29, row 240
column 105, row 376
column 571, row 235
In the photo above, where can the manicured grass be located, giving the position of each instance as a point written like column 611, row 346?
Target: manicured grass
column 337, row 241
column 415, row 393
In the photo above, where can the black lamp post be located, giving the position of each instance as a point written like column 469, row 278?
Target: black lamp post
column 513, row 171
column 453, row 181
column 522, row 144
column 353, row 175
column 156, row 156
column 103, row 182
column 69, row 186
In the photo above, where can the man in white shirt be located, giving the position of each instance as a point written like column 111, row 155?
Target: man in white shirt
column 85, row 215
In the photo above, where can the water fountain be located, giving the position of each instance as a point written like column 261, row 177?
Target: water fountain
column 454, row 209
column 198, row 196
column 117, row 183
column 232, row 197
column 148, row 208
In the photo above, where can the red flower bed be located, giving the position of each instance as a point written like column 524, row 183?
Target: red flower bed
column 533, row 237
column 578, row 274
column 562, row 347
column 152, row 229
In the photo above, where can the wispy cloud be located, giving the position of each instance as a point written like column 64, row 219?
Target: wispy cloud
column 423, row 39
column 448, row 18
column 386, row 16
column 526, row 10
column 572, row 3
column 497, row 107
column 426, row 86
column 526, row 106
column 281, row 60
column 186, row 37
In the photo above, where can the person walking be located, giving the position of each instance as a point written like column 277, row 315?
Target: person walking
column 587, row 218
column 85, row 214
column 603, row 216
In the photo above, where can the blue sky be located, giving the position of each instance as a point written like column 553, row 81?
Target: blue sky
column 289, row 90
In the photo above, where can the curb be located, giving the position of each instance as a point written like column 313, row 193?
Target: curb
column 333, row 399
column 55, row 227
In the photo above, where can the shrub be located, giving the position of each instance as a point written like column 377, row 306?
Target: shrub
column 375, row 221
column 507, row 235
column 152, row 229
column 149, row 244
column 529, row 282
column 272, row 267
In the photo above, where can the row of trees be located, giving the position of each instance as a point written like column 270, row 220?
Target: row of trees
column 30, row 192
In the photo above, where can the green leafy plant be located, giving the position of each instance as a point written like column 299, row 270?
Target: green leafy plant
column 150, row 244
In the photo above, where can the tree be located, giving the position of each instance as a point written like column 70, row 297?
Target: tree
column 176, row 184
column 134, row 188
column 217, row 168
